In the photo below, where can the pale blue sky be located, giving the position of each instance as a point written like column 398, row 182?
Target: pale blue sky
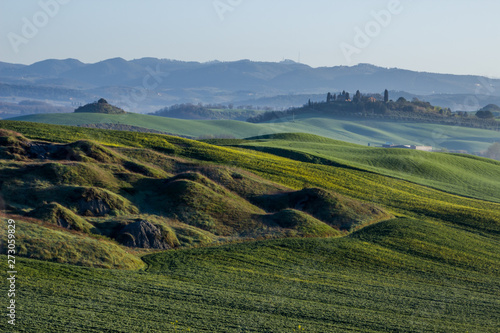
column 446, row 36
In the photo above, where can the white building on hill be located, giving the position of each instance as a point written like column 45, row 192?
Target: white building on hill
column 423, row 148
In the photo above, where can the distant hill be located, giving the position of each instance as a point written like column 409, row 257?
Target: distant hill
column 42, row 92
column 456, row 102
column 168, row 82
column 26, row 107
column 51, row 67
column 372, row 106
column 255, row 77
column 491, row 107
column 101, row 106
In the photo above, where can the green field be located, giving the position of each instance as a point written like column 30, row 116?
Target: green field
column 399, row 276
column 462, row 174
column 421, row 252
column 191, row 128
column 294, row 172
column 362, row 132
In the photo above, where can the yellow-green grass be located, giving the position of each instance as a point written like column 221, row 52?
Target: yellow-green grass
column 455, row 173
column 59, row 215
column 437, row 271
column 396, row 276
column 302, row 224
column 85, row 181
column 399, row 195
column 55, row 244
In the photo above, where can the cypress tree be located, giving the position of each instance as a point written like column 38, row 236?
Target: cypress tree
column 357, row 96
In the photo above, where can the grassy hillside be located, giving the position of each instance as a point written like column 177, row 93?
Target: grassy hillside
column 399, row 275
column 397, row 195
column 191, row 128
column 140, row 198
column 461, row 174
column 46, row 242
column 415, row 256
column 361, row 132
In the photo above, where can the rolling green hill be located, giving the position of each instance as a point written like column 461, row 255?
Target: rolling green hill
column 310, row 234
column 292, row 171
column 191, row 128
column 462, row 174
column 167, row 201
column 362, row 132
column 400, row 276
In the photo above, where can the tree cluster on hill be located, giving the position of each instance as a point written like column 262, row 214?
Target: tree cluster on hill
column 484, row 114
column 366, row 106
column 489, row 111
column 101, row 106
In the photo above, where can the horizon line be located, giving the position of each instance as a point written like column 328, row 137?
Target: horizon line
column 254, row 61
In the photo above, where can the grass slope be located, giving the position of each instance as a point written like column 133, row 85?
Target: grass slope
column 434, row 268
column 401, row 196
column 331, row 208
column 59, row 215
column 161, row 202
column 378, row 132
column 462, row 174
column 191, row 128
column 196, row 200
column 400, row 275
column 46, row 242
column 357, row 131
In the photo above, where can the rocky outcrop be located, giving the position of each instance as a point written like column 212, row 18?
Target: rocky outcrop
column 143, row 234
column 96, row 207
column 41, row 150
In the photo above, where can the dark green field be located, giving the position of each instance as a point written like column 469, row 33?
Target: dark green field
column 409, row 240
